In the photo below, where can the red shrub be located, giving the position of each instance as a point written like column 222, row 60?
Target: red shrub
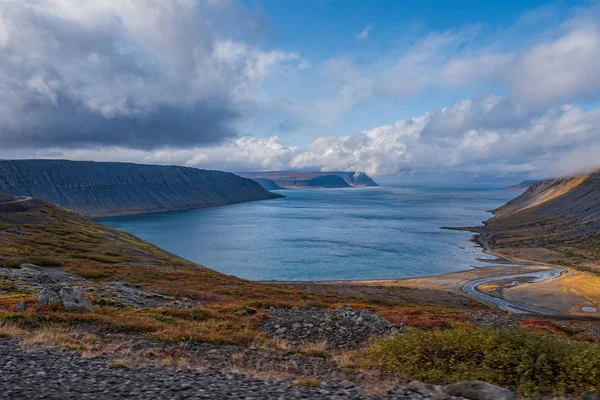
column 426, row 324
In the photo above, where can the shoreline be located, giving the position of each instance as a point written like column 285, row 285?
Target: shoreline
column 467, row 282
column 503, row 260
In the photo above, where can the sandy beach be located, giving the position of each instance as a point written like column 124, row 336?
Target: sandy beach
column 520, row 284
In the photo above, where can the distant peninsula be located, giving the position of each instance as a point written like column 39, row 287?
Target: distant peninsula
column 309, row 180
column 109, row 188
column 524, row 185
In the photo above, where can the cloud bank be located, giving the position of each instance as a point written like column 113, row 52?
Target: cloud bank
column 140, row 74
column 486, row 133
column 172, row 82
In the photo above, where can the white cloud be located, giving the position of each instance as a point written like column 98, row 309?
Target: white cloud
column 364, row 34
column 563, row 69
column 484, row 134
column 100, row 79
column 142, row 74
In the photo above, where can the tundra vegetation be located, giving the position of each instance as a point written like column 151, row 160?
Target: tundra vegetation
column 433, row 344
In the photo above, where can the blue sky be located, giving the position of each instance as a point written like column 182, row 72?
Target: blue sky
column 398, row 89
column 326, row 29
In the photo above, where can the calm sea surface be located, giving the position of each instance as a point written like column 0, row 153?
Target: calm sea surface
column 321, row 234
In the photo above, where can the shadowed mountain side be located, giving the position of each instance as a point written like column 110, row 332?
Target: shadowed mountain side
column 556, row 220
column 268, row 184
column 298, row 180
column 100, row 189
column 4, row 198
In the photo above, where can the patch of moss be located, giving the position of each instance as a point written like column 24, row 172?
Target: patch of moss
column 117, row 365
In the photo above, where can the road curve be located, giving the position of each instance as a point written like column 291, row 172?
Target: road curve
column 18, row 200
column 513, row 306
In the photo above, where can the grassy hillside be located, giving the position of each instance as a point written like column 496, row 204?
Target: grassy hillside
column 48, row 235
column 231, row 308
column 556, row 220
column 231, row 311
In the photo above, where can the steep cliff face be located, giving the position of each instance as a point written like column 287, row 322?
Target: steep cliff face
column 299, row 180
column 268, row 184
column 100, row 189
column 560, row 214
column 573, row 199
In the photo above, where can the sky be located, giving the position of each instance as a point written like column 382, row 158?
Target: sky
column 412, row 89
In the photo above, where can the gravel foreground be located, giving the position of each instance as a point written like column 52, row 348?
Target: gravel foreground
column 57, row 374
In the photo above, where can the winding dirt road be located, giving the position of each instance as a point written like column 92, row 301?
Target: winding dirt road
column 471, row 287
column 19, row 200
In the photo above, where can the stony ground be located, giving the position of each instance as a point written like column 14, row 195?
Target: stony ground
column 342, row 327
column 56, row 374
column 33, row 279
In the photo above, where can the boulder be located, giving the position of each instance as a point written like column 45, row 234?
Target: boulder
column 47, row 297
column 21, row 306
column 74, row 301
column 71, row 299
column 590, row 396
column 477, row 390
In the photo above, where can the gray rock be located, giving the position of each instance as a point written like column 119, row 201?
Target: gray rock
column 21, row 306
column 74, row 301
column 341, row 327
column 47, row 297
column 477, row 390
column 590, row 396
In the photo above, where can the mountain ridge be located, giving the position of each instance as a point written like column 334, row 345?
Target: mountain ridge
column 305, row 180
column 110, row 188
column 555, row 220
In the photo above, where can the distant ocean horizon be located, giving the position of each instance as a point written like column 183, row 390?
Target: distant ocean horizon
column 328, row 234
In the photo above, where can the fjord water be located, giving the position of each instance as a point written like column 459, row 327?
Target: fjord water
column 328, row 234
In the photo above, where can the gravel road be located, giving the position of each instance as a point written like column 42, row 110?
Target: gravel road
column 19, row 199
column 56, row 374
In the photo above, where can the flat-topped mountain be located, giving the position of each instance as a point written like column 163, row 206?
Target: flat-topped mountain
column 108, row 188
column 305, row 180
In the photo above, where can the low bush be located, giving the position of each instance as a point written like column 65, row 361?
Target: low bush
column 117, row 365
column 11, row 263
column 426, row 324
column 103, row 258
column 315, row 350
column 9, row 330
column 190, row 314
column 45, row 261
column 308, row 382
column 92, row 274
column 517, row 360
column 317, row 304
column 182, row 292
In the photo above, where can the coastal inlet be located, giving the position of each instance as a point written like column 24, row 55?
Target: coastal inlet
column 328, row 234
